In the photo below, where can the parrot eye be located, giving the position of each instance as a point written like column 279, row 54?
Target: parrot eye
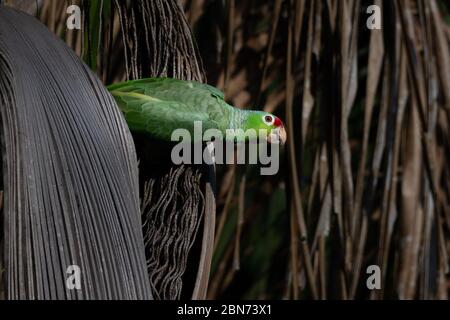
column 268, row 119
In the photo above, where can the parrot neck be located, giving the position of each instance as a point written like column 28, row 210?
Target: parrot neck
column 239, row 123
column 238, row 118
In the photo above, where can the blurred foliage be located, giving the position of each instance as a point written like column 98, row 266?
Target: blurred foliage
column 250, row 65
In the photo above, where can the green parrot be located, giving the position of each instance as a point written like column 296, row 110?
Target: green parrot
column 158, row 106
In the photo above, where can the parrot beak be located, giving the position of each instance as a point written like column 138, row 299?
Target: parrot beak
column 277, row 135
column 282, row 135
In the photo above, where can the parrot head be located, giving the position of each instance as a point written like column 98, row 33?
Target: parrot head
column 273, row 125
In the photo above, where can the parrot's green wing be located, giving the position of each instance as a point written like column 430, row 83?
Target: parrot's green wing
column 159, row 106
column 164, row 86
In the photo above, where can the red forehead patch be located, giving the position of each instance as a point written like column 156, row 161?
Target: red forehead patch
column 277, row 122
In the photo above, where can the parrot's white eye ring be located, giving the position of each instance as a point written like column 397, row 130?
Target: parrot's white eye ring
column 269, row 119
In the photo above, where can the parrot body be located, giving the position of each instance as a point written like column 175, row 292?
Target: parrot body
column 159, row 106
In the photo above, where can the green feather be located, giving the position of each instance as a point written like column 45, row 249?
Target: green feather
column 158, row 106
